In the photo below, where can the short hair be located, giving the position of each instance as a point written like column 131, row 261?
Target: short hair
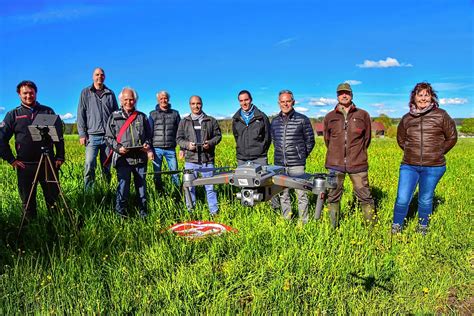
column 163, row 92
column 100, row 68
column 195, row 96
column 26, row 83
column 286, row 92
column 245, row 92
column 424, row 86
column 135, row 94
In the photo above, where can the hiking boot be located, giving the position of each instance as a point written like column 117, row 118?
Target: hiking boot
column 334, row 209
column 369, row 213
column 396, row 229
column 422, row 229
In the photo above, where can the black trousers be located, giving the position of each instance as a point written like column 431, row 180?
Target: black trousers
column 25, row 183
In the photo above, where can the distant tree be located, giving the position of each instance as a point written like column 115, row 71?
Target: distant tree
column 467, row 126
column 225, row 126
column 385, row 120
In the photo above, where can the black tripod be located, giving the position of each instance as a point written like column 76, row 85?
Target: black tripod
column 46, row 165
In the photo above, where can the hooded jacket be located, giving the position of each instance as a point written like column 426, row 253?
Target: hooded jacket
column 210, row 132
column 253, row 140
column 427, row 137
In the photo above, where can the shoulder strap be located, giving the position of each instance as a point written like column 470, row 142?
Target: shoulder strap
column 122, row 130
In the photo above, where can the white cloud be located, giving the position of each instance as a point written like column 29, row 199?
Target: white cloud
column 67, row 116
column 322, row 101
column 301, row 109
column 446, row 101
column 286, row 41
column 2, row 109
column 449, row 86
column 353, row 82
column 387, row 63
column 378, row 105
column 385, row 111
column 323, row 111
column 184, row 115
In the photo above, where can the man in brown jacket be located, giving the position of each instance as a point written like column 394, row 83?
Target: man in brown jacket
column 347, row 134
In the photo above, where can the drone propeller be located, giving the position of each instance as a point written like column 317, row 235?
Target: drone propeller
column 217, row 169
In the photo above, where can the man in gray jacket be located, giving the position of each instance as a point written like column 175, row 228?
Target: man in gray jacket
column 96, row 103
column 198, row 135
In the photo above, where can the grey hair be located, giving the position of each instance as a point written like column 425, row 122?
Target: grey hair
column 163, row 92
column 286, row 92
column 135, row 94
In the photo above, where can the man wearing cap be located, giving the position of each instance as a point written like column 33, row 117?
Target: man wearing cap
column 347, row 134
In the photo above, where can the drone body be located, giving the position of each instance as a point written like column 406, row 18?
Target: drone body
column 260, row 183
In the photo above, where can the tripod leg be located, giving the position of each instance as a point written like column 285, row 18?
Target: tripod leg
column 56, row 181
column 35, row 181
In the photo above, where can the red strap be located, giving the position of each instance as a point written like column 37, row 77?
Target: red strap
column 122, row 130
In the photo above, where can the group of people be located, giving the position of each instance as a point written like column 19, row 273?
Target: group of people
column 121, row 135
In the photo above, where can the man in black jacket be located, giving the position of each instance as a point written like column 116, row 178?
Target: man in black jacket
column 293, row 139
column 198, row 135
column 28, row 152
column 251, row 129
column 164, row 123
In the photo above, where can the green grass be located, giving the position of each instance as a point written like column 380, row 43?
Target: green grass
column 109, row 265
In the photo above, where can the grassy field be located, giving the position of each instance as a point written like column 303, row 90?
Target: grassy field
column 109, row 265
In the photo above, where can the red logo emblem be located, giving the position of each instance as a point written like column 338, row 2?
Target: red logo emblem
column 200, row 229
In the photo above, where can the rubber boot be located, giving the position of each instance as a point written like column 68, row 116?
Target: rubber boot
column 334, row 209
column 369, row 213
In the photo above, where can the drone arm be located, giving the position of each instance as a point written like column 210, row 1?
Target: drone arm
column 292, row 183
column 216, row 179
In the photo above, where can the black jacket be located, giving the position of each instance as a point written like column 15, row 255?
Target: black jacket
column 137, row 134
column 293, row 139
column 16, row 123
column 210, row 132
column 253, row 140
column 164, row 125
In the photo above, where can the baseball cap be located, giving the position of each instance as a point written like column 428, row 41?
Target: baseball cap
column 344, row 87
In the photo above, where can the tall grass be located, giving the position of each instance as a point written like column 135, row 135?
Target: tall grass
column 102, row 263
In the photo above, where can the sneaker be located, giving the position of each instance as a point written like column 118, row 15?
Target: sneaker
column 396, row 229
column 422, row 229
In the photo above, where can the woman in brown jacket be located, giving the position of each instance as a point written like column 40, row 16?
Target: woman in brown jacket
column 425, row 134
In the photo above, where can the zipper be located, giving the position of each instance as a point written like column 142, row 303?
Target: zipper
column 284, row 142
column 345, row 140
column 421, row 140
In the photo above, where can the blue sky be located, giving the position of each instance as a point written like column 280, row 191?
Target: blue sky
column 216, row 48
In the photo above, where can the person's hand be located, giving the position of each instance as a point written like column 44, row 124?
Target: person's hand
column 83, row 141
column 181, row 154
column 59, row 163
column 123, row 150
column 146, row 148
column 192, row 146
column 150, row 155
column 17, row 164
column 206, row 145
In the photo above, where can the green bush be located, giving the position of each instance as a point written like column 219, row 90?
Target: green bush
column 467, row 126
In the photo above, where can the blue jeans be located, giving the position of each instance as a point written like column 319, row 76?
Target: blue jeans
column 210, row 193
column 95, row 145
column 170, row 156
column 427, row 178
column 124, row 175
